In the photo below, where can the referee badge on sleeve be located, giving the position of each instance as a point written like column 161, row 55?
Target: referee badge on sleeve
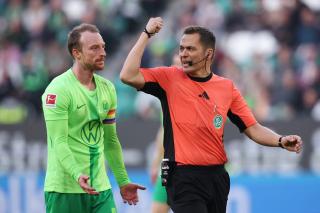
column 51, row 100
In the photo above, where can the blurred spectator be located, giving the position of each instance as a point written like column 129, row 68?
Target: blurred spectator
column 33, row 40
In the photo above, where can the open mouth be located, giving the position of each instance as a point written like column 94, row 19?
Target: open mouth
column 185, row 64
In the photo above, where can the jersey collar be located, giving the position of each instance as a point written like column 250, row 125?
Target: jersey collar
column 201, row 79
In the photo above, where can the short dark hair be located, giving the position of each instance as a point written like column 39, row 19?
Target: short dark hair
column 207, row 39
column 75, row 34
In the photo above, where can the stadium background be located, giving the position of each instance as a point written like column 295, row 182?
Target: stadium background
column 270, row 48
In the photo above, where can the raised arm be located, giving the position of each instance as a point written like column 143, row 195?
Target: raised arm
column 265, row 136
column 130, row 73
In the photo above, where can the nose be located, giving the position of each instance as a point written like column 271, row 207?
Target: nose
column 104, row 53
column 182, row 53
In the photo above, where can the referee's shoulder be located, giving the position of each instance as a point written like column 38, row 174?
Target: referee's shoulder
column 225, row 80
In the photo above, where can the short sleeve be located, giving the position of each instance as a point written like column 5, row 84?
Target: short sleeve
column 55, row 103
column 157, row 80
column 157, row 74
column 239, row 112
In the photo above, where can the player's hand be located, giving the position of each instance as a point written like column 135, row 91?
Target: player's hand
column 292, row 143
column 83, row 182
column 129, row 193
column 154, row 25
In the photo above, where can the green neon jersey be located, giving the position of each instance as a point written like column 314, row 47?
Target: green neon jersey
column 81, row 134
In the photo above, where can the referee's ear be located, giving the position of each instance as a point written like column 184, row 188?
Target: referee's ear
column 210, row 54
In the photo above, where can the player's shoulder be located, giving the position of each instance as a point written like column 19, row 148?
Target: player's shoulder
column 60, row 82
column 104, row 83
column 59, row 86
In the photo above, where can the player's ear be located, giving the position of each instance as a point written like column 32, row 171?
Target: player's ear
column 76, row 53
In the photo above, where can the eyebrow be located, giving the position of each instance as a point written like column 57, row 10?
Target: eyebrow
column 187, row 47
column 96, row 45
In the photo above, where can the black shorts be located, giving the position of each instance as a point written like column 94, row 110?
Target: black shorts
column 200, row 189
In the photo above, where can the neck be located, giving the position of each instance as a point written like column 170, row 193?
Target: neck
column 84, row 76
column 201, row 73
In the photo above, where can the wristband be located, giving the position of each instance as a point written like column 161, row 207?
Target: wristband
column 148, row 33
column 279, row 142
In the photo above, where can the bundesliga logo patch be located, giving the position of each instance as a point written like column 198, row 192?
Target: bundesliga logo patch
column 51, row 100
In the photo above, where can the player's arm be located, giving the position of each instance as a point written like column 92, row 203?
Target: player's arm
column 55, row 102
column 113, row 154
column 57, row 131
column 130, row 73
column 112, row 146
column 267, row 137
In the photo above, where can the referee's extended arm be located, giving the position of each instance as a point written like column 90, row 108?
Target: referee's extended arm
column 265, row 136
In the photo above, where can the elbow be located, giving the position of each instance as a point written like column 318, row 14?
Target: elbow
column 123, row 77
column 128, row 78
column 131, row 78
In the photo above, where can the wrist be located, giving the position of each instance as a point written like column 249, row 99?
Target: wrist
column 148, row 33
column 280, row 142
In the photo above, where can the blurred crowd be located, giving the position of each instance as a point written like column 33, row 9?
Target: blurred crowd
column 33, row 36
column 269, row 48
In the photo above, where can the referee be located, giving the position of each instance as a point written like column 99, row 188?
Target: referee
column 196, row 104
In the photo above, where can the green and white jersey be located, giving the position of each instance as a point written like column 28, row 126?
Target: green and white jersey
column 80, row 134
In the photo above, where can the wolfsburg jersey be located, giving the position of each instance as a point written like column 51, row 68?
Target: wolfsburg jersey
column 84, row 112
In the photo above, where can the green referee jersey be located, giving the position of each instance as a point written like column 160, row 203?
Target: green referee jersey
column 81, row 134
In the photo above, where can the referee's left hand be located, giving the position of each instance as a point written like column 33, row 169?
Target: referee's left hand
column 129, row 193
column 292, row 143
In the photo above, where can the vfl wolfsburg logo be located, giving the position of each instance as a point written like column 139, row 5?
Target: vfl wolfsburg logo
column 217, row 121
column 91, row 132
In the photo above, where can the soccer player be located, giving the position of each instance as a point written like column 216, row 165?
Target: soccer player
column 195, row 104
column 80, row 114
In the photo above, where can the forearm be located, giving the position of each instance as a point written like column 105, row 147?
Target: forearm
column 130, row 73
column 263, row 135
column 114, row 157
column 58, row 133
column 130, row 70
